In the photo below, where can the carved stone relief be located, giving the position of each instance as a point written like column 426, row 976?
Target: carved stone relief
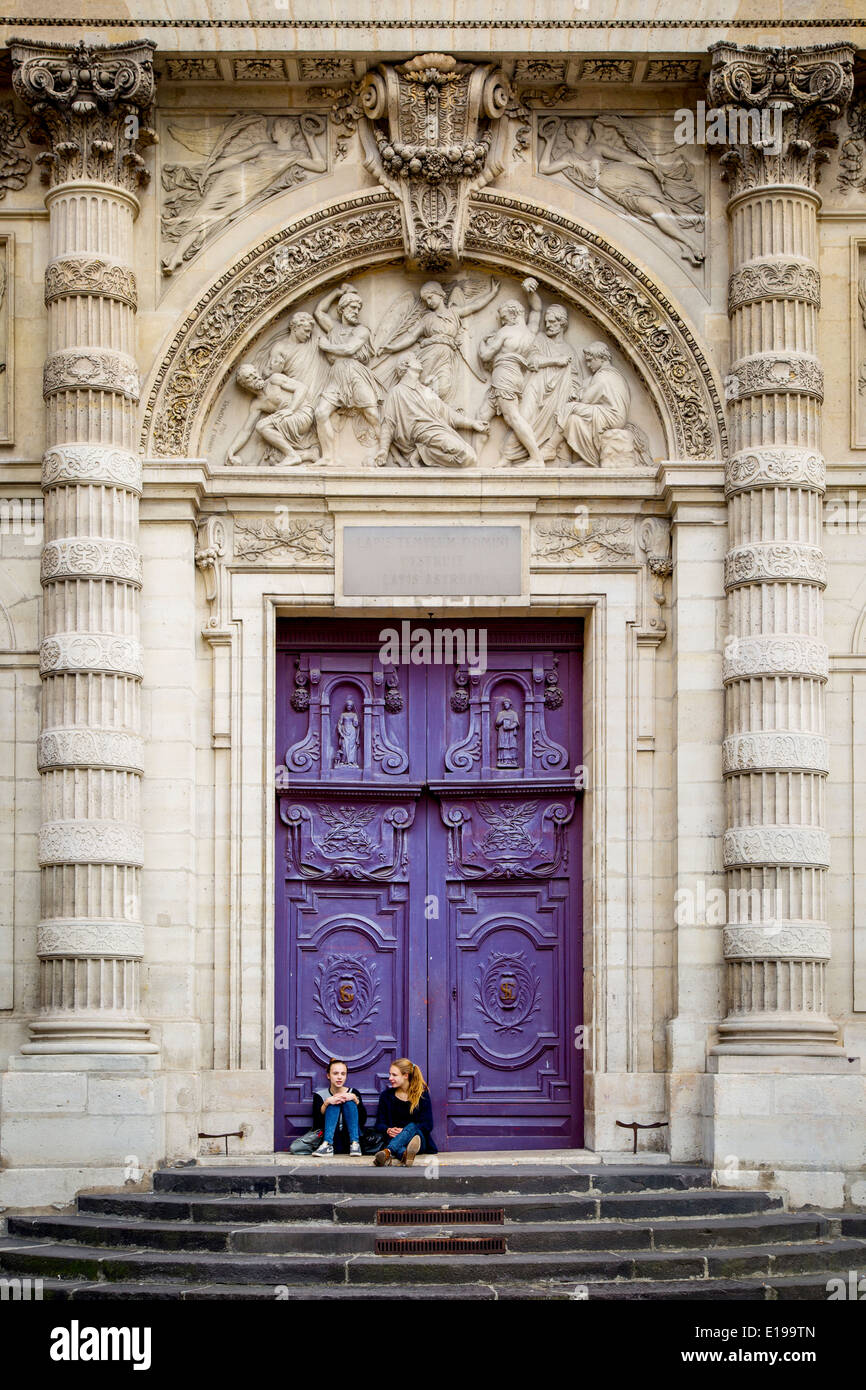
column 238, row 161
column 858, row 338
column 564, row 541
column 15, row 163
column 433, row 130
column 499, row 231
column 631, row 164
column 300, row 541
column 6, row 321
column 394, row 371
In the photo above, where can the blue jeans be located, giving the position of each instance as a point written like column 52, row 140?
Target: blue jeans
column 332, row 1116
column 399, row 1145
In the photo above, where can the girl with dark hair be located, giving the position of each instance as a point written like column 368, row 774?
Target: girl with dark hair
column 338, row 1117
column 404, row 1115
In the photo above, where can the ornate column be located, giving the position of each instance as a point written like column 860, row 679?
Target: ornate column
column 88, row 105
column 776, row 849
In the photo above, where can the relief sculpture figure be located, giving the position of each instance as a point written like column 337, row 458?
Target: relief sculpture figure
column 297, row 354
column 347, row 347
column 419, row 428
column 278, row 414
column 252, row 158
column 507, row 724
column 552, row 383
column 613, row 157
column 348, row 737
column 599, row 415
column 509, row 353
column 433, row 324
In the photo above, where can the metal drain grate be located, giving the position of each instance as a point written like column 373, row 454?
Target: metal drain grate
column 435, row 1216
column 440, row 1245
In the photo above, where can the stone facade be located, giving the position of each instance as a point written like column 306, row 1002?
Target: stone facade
column 285, row 279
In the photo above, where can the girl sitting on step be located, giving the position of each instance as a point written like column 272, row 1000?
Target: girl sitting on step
column 338, row 1115
column 405, row 1115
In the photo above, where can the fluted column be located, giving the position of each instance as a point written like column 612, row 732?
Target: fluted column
column 89, row 106
column 776, row 849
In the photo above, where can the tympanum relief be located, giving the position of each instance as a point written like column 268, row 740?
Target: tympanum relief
column 215, row 168
column 631, row 164
column 460, row 372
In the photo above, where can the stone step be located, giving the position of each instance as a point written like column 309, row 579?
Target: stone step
column 811, row 1287
column 336, row 1206
column 92, row 1264
column 329, row 1237
column 543, row 1179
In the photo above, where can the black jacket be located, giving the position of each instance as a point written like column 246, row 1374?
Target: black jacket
column 392, row 1113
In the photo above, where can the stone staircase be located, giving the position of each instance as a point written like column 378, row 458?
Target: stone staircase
column 316, row 1232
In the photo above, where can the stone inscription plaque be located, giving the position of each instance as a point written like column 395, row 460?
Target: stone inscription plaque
column 393, row 561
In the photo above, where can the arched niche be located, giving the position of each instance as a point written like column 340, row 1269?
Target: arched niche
column 594, row 280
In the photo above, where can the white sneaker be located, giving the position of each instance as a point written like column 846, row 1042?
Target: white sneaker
column 323, row 1151
column 355, row 1150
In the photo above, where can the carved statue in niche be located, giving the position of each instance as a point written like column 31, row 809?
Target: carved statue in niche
column 507, row 724
column 278, row 414
column 348, row 348
column 250, row 159
column 348, row 737
column 418, row 427
column 630, row 163
column 596, row 425
column 554, row 380
column 433, row 323
column 508, row 353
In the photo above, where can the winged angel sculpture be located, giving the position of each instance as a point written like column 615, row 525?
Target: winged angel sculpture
column 630, row 164
column 412, row 383
column 250, row 159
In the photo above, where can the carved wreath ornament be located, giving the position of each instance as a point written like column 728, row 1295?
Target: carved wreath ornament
column 507, row 990
column 346, row 991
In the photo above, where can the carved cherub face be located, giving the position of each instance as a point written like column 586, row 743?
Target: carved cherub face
column 302, row 328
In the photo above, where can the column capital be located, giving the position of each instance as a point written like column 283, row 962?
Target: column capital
column 801, row 90
column 90, row 105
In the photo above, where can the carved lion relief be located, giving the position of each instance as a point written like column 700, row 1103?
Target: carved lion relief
column 217, row 167
column 463, row 371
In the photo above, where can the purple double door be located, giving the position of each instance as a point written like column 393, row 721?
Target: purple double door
column 428, row 867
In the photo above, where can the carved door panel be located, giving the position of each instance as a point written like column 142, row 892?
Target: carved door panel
column 427, row 880
column 503, row 849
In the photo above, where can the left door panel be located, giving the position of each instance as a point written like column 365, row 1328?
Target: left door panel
column 350, row 958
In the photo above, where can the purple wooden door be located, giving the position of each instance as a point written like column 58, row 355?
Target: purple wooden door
column 428, row 878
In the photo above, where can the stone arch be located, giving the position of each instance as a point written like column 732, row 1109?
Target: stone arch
column 502, row 231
